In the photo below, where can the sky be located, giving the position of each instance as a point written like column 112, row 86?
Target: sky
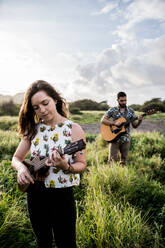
column 88, row 49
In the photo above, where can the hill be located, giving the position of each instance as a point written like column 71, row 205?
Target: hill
column 17, row 98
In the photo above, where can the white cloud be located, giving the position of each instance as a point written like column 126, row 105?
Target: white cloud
column 107, row 8
column 155, row 51
column 103, row 62
column 137, row 12
column 140, row 10
column 136, row 69
column 90, row 57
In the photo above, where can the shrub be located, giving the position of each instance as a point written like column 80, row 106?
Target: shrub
column 74, row 110
column 9, row 108
column 88, row 104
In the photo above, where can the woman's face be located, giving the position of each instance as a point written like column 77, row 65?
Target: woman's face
column 44, row 106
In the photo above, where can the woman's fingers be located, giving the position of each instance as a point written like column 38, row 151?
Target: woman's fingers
column 55, row 156
column 55, row 160
column 49, row 162
column 29, row 178
column 23, row 180
column 24, row 177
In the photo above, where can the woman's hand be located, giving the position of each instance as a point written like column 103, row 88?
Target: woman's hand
column 23, row 176
column 57, row 160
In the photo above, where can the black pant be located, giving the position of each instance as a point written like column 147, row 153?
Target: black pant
column 52, row 211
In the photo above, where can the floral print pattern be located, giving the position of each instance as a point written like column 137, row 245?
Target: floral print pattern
column 36, row 141
column 49, row 139
column 55, row 137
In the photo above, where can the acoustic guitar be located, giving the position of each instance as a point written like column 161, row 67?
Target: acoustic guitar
column 37, row 164
column 110, row 133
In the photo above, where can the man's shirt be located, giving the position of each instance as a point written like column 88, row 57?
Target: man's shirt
column 129, row 115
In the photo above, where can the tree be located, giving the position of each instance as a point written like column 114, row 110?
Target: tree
column 88, row 104
column 154, row 103
column 159, row 106
column 136, row 107
column 9, row 108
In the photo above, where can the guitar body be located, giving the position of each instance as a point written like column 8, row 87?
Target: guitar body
column 37, row 168
column 110, row 133
column 23, row 187
column 38, row 176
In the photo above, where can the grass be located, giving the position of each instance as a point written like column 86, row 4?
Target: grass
column 8, row 144
column 86, row 117
column 117, row 207
column 8, row 123
column 110, row 219
column 154, row 116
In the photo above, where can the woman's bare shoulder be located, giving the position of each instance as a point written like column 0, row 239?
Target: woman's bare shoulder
column 77, row 132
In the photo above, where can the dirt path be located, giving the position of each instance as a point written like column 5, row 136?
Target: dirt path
column 146, row 125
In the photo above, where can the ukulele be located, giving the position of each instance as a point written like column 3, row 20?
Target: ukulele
column 37, row 164
column 112, row 132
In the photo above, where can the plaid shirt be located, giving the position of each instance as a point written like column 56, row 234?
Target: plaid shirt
column 129, row 115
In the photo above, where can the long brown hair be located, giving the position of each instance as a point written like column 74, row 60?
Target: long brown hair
column 27, row 116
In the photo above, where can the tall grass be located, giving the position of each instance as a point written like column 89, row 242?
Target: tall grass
column 109, row 220
column 119, row 207
column 8, row 143
column 15, row 229
column 124, row 206
column 8, row 123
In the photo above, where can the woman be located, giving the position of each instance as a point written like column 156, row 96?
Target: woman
column 44, row 128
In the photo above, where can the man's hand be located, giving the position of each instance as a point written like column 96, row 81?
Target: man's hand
column 140, row 117
column 117, row 123
column 137, row 122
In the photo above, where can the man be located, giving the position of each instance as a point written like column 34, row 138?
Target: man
column 122, row 141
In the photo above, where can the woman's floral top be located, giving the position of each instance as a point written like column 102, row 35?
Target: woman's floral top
column 45, row 142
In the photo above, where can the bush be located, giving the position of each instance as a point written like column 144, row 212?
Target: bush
column 159, row 106
column 9, row 108
column 74, row 110
column 87, row 104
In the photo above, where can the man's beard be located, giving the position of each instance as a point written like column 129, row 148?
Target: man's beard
column 122, row 105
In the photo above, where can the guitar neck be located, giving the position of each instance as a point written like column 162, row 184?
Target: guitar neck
column 36, row 163
column 149, row 112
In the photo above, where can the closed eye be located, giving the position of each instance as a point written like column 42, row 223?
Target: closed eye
column 44, row 103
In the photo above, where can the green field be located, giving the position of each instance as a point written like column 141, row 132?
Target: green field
column 86, row 117
column 118, row 207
